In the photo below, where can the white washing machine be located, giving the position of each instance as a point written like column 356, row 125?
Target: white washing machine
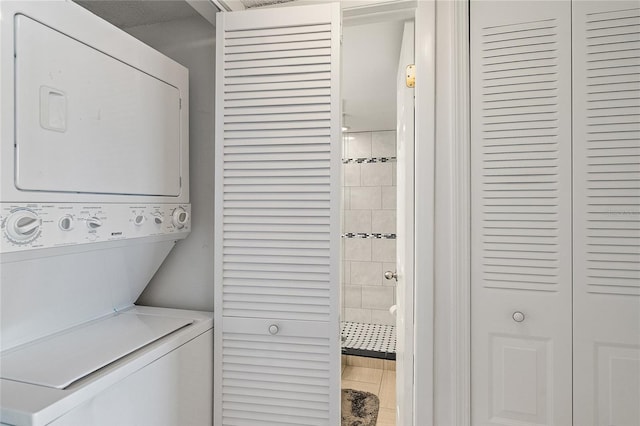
column 93, row 197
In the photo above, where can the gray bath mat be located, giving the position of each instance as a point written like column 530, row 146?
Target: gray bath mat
column 359, row 408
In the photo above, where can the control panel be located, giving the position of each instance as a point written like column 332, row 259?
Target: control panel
column 35, row 226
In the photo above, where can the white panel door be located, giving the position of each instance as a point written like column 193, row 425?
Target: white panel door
column 278, row 162
column 405, row 241
column 521, row 213
column 606, row 146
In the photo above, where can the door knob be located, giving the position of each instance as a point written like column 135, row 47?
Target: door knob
column 518, row 316
column 391, row 275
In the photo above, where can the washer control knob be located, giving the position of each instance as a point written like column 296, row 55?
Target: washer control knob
column 273, row 329
column 158, row 219
column 22, row 226
column 518, row 316
column 66, row 222
column 139, row 219
column 94, row 223
column 180, row 217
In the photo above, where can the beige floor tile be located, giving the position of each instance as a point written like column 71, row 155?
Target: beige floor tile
column 389, row 365
column 362, row 374
column 386, row 417
column 388, row 390
column 361, row 361
column 361, row 386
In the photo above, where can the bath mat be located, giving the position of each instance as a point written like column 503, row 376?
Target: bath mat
column 359, row 408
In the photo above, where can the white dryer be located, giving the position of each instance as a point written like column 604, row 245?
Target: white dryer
column 94, row 194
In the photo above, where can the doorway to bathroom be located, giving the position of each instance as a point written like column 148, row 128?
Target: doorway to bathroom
column 377, row 210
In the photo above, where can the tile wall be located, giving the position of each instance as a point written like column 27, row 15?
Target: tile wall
column 369, row 207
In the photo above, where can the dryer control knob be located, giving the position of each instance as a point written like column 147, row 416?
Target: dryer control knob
column 66, row 222
column 23, row 226
column 93, row 223
column 180, row 217
column 139, row 219
column 158, row 219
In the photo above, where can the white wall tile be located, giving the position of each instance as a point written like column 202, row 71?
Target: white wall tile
column 383, row 250
column 357, row 315
column 366, row 273
column 352, row 296
column 357, row 221
column 382, row 316
column 346, row 272
column 363, row 198
column 357, row 249
column 383, row 144
column 346, row 198
column 359, row 145
column 351, row 173
column 377, row 297
column 389, row 197
column 376, row 174
column 383, row 221
column 394, row 173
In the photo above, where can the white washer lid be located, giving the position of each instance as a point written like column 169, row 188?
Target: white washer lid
column 61, row 359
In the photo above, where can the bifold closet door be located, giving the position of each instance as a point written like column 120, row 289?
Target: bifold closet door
column 606, row 146
column 521, row 213
column 277, row 228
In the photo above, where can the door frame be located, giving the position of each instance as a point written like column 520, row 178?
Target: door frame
column 452, row 343
column 422, row 327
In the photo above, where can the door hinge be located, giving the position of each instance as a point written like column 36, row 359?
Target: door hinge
column 411, row 76
column 180, row 104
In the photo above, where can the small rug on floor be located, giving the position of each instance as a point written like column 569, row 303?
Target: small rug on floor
column 359, row 408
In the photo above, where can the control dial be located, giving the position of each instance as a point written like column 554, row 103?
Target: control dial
column 23, row 226
column 139, row 219
column 66, row 222
column 94, row 223
column 180, row 217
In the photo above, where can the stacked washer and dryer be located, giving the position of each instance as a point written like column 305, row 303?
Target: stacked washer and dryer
column 93, row 197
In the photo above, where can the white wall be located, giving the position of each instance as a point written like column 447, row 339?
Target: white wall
column 185, row 279
column 369, row 65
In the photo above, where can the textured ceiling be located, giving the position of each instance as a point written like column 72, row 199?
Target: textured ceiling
column 131, row 13
column 260, row 3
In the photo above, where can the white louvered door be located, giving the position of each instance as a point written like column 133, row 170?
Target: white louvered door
column 606, row 147
column 277, row 224
column 521, row 213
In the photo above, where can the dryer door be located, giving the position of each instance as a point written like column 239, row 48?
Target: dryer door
column 87, row 122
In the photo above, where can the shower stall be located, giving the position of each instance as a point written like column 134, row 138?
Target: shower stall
column 369, row 244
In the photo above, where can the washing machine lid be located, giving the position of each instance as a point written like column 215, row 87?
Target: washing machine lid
column 64, row 358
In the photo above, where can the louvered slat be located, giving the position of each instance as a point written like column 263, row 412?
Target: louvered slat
column 607, row 149
column 277, row 224
column 520, row 165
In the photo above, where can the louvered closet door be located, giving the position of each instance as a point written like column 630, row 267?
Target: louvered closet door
column 606, row 146
column 277, row 217
column 521, row 213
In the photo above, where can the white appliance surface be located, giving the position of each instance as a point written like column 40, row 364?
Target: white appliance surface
column 87, row 122
column 94, row 193
column 34, row 405
column 59, row 360
column 92, row 114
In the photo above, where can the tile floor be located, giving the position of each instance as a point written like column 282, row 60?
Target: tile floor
column 376, row 376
